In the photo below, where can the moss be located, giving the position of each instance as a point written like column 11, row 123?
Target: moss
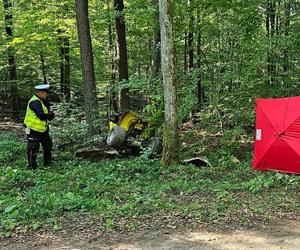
column 171, row 151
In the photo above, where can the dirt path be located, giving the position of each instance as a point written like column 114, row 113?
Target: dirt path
column 285, row 236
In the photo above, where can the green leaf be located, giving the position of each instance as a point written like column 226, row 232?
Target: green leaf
column 17, row 40
column 35, row 226
column 9, row 209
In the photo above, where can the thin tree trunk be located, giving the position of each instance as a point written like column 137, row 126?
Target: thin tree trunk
column 67, row 79
column 171, row 139
column 268, row 19
column 272, row 17
column 43, row 67
column 65, row 67
column 191, row 37
column 286, row 34
column 272, row 34
column 155, row 58
column 112, row 92
column 200, row 91
column 270, row 28
column 185, row 52
column 87, row 62
column 12, row 68
column 122, row 53
column 268, row 36
column 65, row 58
column 277, row 18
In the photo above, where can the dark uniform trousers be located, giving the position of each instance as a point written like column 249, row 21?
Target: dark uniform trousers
column 34, row 139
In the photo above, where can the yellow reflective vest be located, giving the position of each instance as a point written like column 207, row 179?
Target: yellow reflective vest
column 32, row 121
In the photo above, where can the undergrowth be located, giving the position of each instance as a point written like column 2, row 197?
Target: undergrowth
column 228, row 192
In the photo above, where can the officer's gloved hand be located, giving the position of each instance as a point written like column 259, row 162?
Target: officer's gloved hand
column 51, row 116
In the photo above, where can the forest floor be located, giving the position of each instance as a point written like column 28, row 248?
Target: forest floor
column 136, row 203
column 285, row 235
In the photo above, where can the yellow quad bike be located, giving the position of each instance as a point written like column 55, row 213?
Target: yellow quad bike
column 124, row 129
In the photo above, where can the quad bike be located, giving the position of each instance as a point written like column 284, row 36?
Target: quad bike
column 125, row 132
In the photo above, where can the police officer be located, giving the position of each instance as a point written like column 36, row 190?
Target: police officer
column 36, row 124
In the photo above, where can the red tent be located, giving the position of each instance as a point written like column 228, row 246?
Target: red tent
column 277, row 139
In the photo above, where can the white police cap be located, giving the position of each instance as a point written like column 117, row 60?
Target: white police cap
column 42, row 87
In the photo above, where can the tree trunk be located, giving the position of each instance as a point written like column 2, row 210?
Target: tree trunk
column 277, row 18
column 286, row 34
column 185, row 52
column 112, row 93
column 272, row 17
column 155, row 57
column 122, row 53
column 12, row 68
column 43, row 67
column 270, row 27
column 268, row 19
column 171, row 139
column 87, row 62
column 65, row 67
column 200, row 91
column 191, row 37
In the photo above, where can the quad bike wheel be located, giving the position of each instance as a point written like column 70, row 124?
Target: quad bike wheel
column 116, row 137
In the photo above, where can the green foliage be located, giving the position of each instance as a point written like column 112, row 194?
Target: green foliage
column 233, row 54
column 133, row 188
column 268, row 181
column 11, row 148
column 69, row 127
column 187, row 97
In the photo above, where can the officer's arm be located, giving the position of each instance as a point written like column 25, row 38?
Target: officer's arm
column 37, row 108
column 51, row 115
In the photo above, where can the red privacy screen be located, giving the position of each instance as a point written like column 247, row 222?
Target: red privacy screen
column 277, row 137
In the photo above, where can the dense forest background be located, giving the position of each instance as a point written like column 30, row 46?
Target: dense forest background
column 227, row 53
